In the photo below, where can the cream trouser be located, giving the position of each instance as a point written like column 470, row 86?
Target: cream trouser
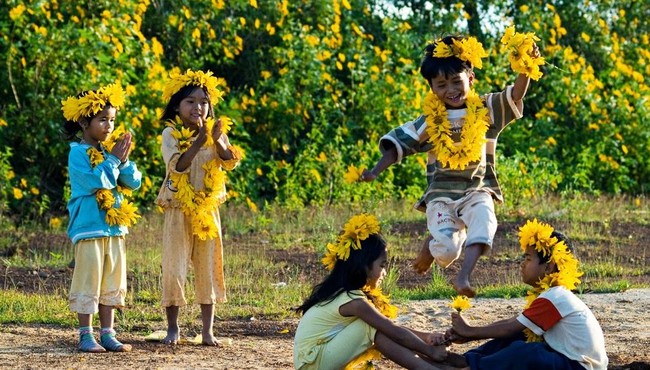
column 180, row 248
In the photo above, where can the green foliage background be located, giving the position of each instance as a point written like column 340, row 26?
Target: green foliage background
column 313, row 85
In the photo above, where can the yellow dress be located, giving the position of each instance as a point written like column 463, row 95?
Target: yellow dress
column 180, row 247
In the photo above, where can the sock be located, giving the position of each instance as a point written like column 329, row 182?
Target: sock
column 107, row 339
column 87, row 342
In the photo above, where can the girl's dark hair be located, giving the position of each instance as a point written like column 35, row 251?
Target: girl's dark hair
column 432, row 67
column 351, row 274
column 71, row 128
column 560, row 237
column 171, row 110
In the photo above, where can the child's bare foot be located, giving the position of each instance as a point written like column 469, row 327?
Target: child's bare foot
column 463, row 287
column 209, row 340
column 439, row 353
column 424, row 259
column 456, row 360
column 173, row 336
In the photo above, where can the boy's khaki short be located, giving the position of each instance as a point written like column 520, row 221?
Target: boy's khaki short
column 453, row 224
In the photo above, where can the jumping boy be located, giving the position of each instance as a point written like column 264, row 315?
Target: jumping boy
column 459, row 131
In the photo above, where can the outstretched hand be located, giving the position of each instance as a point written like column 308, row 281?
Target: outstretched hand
column 452, row 337
column 367, row 176
column 122, row 148
column 217, row 130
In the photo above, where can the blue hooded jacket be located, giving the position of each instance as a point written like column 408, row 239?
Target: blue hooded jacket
column 87, row 220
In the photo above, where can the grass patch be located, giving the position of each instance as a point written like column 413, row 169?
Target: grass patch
column 272, row 259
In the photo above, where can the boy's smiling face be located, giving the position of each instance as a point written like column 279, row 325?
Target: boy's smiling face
column 453, row 89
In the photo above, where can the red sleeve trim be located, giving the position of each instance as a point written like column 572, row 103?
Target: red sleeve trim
column 543, row 313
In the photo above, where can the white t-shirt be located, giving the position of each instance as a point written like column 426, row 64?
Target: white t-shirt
column 568, row 326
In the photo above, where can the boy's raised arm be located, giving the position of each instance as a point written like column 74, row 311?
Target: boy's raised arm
column 521, row 83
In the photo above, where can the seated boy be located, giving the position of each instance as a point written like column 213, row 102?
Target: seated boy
column 556, row 330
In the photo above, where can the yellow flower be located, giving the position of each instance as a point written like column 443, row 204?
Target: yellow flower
column 55, row 222
column 251, row 205
column 16, row 12
column 18, row 194
column 460, row 303
column 520, row 53
column 330, row 257
column 353, row 175
column 105, row 199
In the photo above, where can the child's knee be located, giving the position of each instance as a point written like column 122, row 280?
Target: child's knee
column 446, row 249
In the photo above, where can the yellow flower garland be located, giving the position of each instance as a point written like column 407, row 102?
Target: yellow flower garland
column 200, row 203
column 538, row 234
column 127, row 214
column 472, row 135
column 359, row 228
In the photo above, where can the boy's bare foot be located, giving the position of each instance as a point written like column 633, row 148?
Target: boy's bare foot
column 463, row 287
column 173, row 336
column 209, row 340
column 424, row 259
column 456, row 360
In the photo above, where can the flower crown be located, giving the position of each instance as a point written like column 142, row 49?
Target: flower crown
column 538, row 235
column 467, row 49
column 92, row 102
column 358, row 228
column 205, row 80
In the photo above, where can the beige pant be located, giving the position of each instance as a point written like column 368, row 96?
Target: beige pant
column 99, row 275
column 466, row 221
column 180, row 248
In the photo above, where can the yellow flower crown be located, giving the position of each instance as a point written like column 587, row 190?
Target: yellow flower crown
column 92, row 102
column 467, row 49
column 538, row 234
column 205, row 80
column 358, row 228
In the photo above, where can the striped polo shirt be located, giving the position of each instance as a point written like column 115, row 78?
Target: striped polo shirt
column 444, row 183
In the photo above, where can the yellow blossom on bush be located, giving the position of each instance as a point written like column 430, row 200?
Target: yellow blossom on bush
column 353, row 175
column 18, row 194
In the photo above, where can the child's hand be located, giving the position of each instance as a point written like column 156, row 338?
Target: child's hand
column 459, row 325
column 217, row 130
column 452, row 337
column 535, row 52
column 367, row 176
column 202, row 137
column 122, row 148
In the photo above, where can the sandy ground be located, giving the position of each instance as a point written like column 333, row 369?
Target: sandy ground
column 624, row 317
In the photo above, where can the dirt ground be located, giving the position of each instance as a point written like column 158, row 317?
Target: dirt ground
column 262, row 344
column 268, row 345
